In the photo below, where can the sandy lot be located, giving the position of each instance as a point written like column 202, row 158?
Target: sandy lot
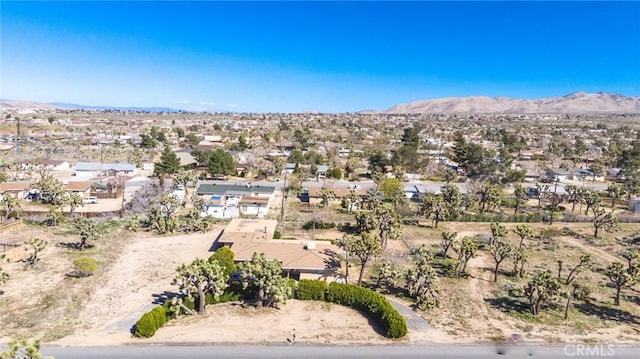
column 144, row 271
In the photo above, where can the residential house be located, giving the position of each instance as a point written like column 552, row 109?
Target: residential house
column 81, row 188
column 15, row 189
column 559, row 174
column 226, row 200
column 299, row 259
column 96, row 169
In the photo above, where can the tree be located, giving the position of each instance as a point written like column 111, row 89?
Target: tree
column 366, row 221
column 221, row 164
column 542, row 191
column 433, row 206
column 468, row 249
column 352, row 199
column 592, row 199
column 388, row 224
column 422, row 281
column 520, row 257
column 264, row 278
column 488, row 196
column 616, row 191
column 86, row 229
column 162, row 213
column 498, row 231
column 388, row 274
column 520, row 193
column 524, row 232
column 201, row 277
column 169, row 163
column 390, row 186
column 606, row 221
column 23, row 349
column 500, row 250
column 12, row 206
column 84, row 267
column 54, row 216
column 365, row 247
column 541, row 288
column 328, row 194
column 74, row 201
column 51, row 190
column 448, row 240
column 621, row 277
column 182, row 178
column 576, row 292
column 575, row 195
column 34, row 247
column 630, row 255
column 453, row 199
column 586, row 261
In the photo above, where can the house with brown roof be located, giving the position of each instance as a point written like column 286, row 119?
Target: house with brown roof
column 299, row 259
column 16, row 189
column 81, row 188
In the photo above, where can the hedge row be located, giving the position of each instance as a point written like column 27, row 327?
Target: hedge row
column 371, row 303
column 311, row 289
column 151, row 321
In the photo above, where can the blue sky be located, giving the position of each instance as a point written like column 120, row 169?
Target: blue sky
column 313, row 56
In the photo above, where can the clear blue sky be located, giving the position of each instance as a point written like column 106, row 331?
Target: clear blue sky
column 313, row 56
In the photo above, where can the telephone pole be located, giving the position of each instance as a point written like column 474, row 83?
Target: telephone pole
column 284, row 197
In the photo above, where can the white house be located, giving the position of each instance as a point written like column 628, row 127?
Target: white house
column 87, row 170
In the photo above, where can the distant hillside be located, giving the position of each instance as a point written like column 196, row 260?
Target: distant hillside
column 25, row 105
column 579, row 102
column 32, row 105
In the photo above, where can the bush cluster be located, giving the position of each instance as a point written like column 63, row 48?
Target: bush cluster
column 319, row 225
column 277, row 235
column 311, row 289
column 370, row 303
column 150, row 322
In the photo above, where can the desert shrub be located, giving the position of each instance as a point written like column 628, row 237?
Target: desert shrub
column 318, row 225
column 225, row 297
column 311, row 289
column 370, row 303
column 84, row 267
column 292, row 286
column 277, row 235
column 224, row 256
column 150, row 322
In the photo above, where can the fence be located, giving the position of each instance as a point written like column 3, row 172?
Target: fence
column 12, row 225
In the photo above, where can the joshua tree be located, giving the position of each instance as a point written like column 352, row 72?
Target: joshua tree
column 34, row 247
column 468, row 249
column 606, row 221
column 201, row 277
column 621, row 277
column 585, row 262
column 500, row 250
column 264, row 278
column 86, row 229
column 448, row 240
column 540, row 289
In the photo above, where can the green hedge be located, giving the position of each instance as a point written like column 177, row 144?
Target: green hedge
column 150, row 322
column 311, row 289
column 370, row 303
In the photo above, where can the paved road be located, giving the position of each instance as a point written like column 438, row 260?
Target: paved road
column 315, row 351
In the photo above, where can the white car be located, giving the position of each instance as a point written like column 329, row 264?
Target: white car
column 91, row 199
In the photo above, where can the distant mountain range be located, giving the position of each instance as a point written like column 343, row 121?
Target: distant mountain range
column 31, row 105
column 579, row 102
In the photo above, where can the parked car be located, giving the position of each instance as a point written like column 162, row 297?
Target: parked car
column 91, row 199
